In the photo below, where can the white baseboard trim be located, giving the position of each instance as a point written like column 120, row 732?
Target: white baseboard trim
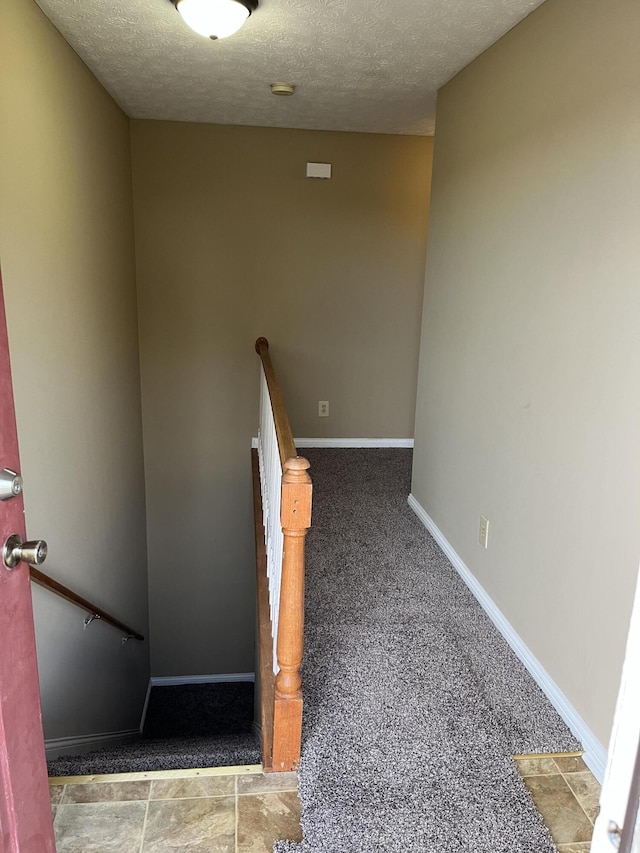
column 176, row 680
column 595, row 754
column 55, row 747
column 145, row 707
column 353, row 442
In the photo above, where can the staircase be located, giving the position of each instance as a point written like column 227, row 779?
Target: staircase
column 189, row 726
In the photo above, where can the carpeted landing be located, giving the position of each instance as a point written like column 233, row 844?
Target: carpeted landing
column 194, row 725
column 414, row 704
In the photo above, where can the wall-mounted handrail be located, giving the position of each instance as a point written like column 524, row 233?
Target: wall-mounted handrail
column 286, row 445
column 69, row 595
column 283, row 501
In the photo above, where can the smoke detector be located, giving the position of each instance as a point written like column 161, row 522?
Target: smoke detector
column 282, row 88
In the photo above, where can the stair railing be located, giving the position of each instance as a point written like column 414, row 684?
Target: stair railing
column 282, row 502
column 92, row 610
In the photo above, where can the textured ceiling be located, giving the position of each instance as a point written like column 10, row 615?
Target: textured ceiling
column 361, row 65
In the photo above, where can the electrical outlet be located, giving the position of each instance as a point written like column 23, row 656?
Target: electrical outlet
column 484, row 532
column 323, row 408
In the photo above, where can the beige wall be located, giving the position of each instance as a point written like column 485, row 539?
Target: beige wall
column 529, row 401
column 67, row 252
column 232, row 242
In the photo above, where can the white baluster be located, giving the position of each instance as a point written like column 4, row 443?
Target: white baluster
column 271, row 486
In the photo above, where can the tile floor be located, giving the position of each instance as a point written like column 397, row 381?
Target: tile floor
column 566, row 794
column 240, row 810
column 229, row 810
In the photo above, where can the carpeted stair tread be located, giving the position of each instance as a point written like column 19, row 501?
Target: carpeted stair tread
column 144, row 755
column 187, row 726
column 414, row 703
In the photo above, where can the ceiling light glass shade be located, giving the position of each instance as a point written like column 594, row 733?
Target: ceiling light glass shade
column 216, row 19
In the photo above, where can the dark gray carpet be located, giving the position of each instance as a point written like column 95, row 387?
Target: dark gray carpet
column 200, row 710
column 414, row 703
column 195, row 725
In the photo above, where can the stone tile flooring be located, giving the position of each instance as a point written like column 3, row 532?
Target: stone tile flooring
column 566, row 794
column 224, row 810
column 240, row 810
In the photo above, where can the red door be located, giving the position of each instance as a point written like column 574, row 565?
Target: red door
column 25, row 811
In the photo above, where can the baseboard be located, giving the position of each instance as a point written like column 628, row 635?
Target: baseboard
column 595, row 754
column 55, row 747
column 353, row 442
column 145, row 707
column 175, row 680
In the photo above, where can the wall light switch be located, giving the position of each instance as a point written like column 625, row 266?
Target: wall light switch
column 484, row 532
column 318, row 170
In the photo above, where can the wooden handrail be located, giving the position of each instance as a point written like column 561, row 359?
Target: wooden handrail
column 286, row 444
column 281, row 699
column 69, row 595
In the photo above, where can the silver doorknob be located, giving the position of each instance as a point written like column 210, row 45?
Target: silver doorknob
column 15, row 551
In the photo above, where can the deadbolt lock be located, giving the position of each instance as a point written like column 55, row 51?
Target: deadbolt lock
column 33, row 553
column 10, row 484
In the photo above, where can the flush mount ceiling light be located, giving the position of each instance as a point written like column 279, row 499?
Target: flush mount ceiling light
column 215, row 19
